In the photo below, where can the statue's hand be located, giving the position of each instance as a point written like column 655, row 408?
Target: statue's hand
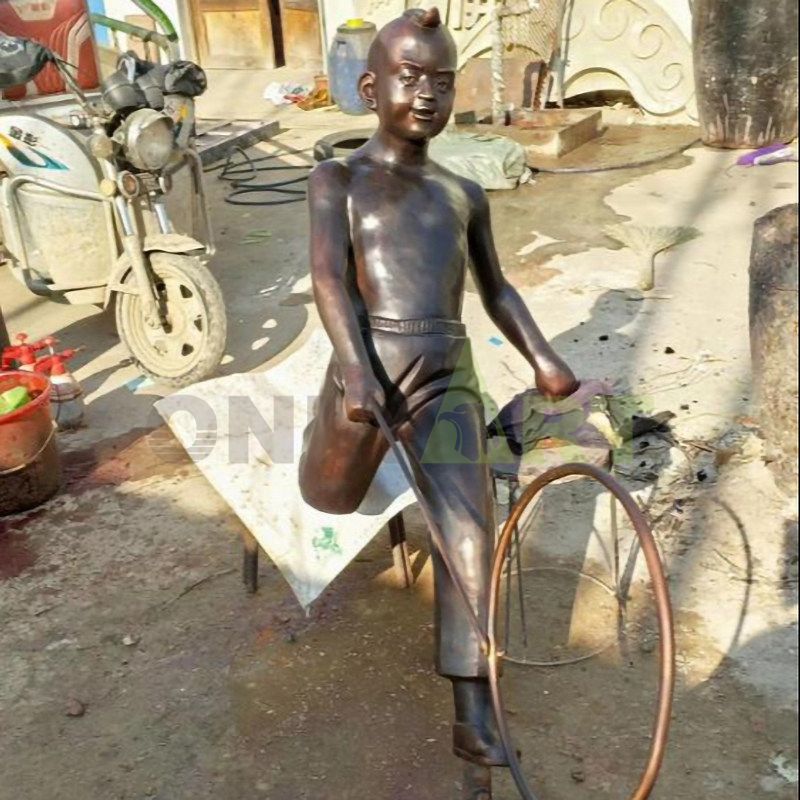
column 555, row 380
column 362, row 392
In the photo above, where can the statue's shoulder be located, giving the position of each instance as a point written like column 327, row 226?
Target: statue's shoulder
column 331, row 174
column 474, row 191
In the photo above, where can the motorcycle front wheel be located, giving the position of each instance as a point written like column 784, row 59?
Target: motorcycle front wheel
column 189, row 346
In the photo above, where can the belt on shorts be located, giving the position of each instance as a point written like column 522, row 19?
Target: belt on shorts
column 449, row 327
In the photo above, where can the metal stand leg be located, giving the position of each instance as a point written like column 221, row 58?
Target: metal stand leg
column 477, row 782
column 507, row 637
column 522, row 616
column 397, row 539
column 621, row 577
column 615, row 546
column 515, row 555
column 250, row 563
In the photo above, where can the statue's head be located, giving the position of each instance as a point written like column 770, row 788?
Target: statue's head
column 411, row 79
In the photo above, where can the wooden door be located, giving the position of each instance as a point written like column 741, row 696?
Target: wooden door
column 302, row 41
column 233, row 34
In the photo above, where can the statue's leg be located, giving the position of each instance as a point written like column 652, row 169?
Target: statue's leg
column 457, row 486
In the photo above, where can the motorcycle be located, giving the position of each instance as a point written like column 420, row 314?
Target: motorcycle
column 90, row 202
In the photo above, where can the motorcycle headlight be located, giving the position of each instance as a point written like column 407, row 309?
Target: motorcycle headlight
column 149, row 139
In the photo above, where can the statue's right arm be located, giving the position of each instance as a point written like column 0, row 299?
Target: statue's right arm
column 334, row 285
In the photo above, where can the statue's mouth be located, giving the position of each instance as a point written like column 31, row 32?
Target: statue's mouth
column 425, row 114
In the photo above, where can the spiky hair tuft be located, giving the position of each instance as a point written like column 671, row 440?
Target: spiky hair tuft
column 430, row 18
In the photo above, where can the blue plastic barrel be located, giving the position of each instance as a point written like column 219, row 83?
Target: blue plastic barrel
column 347, row 62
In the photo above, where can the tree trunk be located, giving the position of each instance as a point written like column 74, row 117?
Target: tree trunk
column 774, row 336
column 745, row 64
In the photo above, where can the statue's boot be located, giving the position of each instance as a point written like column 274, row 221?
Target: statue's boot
column 475, row 734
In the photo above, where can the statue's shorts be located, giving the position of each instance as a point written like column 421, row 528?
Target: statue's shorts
column 434, row 407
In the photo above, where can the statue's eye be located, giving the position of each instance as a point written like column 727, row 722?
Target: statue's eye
column 443, row 84
column 408, row 80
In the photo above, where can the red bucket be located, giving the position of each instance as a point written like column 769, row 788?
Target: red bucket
column 30, row 468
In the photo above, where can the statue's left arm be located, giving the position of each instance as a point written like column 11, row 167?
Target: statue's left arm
column 507, row 309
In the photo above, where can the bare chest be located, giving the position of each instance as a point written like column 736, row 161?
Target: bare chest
column 396, row 217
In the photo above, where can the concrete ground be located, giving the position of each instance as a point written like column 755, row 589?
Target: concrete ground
column 134, row 665
column 240, row 93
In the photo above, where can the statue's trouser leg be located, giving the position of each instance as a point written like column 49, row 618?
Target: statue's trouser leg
column 449, row 436
column 434, row 406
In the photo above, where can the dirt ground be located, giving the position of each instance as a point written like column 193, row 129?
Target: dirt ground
column 134, row 665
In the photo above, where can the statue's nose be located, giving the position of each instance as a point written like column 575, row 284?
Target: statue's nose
column 426, row 89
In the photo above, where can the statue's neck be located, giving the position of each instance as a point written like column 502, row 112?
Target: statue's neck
column 385, row 146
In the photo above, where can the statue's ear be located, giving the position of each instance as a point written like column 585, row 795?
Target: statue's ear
column 366, row 89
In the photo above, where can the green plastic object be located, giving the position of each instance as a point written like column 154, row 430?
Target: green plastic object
column 156, row 13
column 15, row 398
column 130, row 29
column 167, row 41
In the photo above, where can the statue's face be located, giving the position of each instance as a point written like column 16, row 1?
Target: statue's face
column 412, row 84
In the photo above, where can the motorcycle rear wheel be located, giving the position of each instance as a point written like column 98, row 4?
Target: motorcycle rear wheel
column 191, row 345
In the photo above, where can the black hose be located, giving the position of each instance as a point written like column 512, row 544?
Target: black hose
column 232, row 172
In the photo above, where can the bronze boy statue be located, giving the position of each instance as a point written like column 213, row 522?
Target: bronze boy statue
column 391, row 236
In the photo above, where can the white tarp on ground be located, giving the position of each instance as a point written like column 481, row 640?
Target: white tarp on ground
column 493, row 161
column 245, row 433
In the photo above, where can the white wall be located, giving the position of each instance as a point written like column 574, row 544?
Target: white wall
column 604, row 49
column 335, row 12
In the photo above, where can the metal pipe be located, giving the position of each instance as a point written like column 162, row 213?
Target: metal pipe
column 200, row 190
column 55, row 187
column 164, row 222
column 123, row 213
column 132, row 246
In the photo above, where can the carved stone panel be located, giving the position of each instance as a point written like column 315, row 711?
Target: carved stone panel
column 639, row 44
